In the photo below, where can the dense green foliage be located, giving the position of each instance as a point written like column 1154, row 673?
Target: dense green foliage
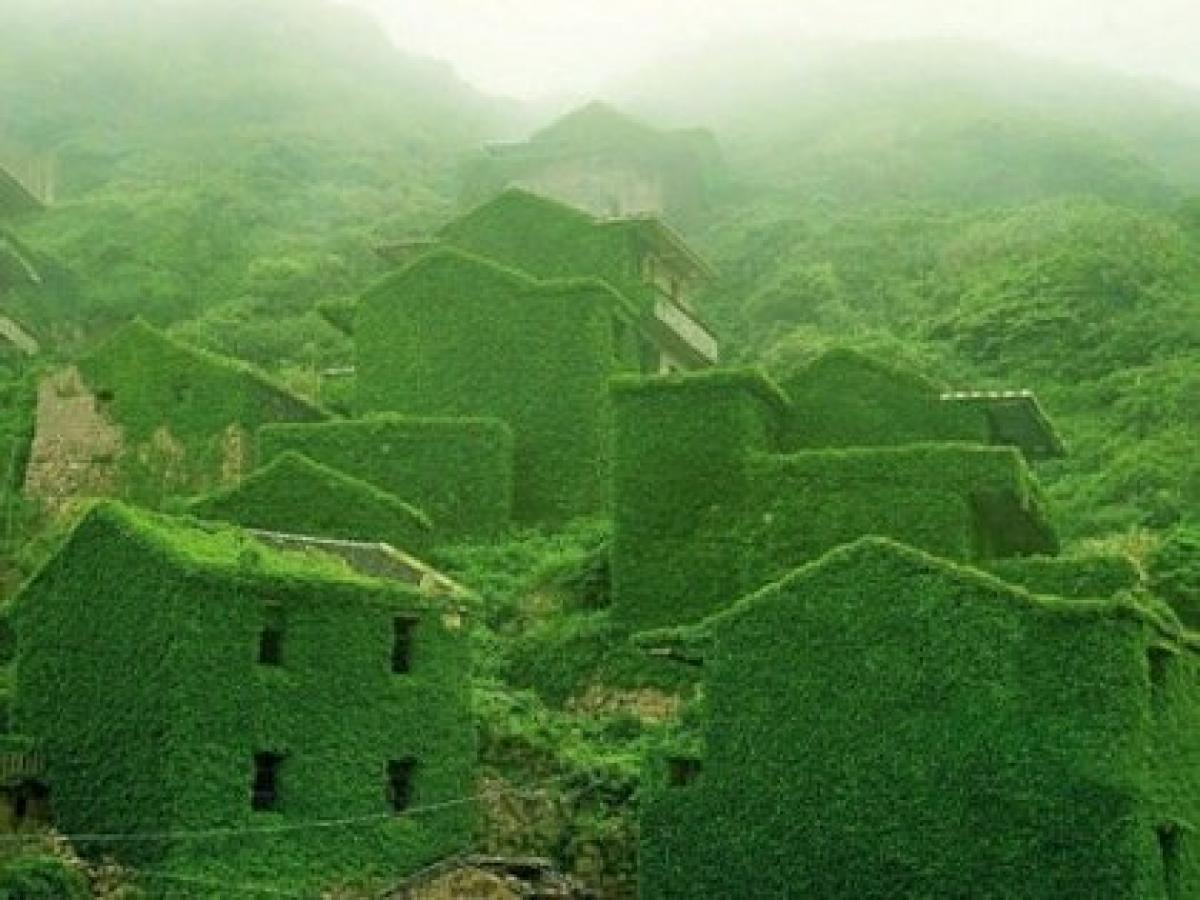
column 595, row 704
column 294, row 495
column 410, row 458
column 225, row 160
column 41, row 878
column 700, row 480
column 1174, row 570
column 453, row 335
column 1067, row 576
column 172, row 615
column 227, row 169
column 916, row 749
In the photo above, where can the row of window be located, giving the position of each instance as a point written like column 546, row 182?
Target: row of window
column 264, row 790
column 271, row 642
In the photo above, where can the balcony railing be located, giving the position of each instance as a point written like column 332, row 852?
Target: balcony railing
column 686, row 327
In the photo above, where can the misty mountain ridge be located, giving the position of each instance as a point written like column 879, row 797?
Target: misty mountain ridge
column 786, row 110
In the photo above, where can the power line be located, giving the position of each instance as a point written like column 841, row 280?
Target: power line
column 140, row 837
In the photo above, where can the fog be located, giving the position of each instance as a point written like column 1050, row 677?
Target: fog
column 536, row 49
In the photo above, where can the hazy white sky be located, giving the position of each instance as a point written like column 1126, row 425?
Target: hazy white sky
column 535, row 48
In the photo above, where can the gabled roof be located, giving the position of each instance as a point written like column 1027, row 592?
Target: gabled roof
column 692, row 643
column 140, row 342
column 513, row 200
column 204, row 546
column 462, row 269
column 337, row 503
column 514, row 203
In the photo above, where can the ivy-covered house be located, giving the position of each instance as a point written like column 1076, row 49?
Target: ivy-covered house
column 459, row 336
column 711, row 498
column 640, row 257
column 143, row 416
column 883, row 723
column 600, row 159
column 232, row 709
column 520, row 313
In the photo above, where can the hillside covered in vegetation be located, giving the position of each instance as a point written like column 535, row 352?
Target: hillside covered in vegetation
column 227, row 173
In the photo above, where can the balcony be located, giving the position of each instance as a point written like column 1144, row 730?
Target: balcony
column 686, row 329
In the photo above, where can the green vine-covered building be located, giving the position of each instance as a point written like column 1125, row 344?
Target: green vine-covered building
column 723, row 483
column 241, row 711
column 885, row 724
column 520, row 312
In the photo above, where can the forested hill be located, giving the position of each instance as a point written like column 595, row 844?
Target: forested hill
column 1001, row 221
column 954, row 122
column 224, row 160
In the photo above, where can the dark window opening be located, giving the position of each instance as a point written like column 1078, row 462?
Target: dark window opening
column 30, row 801
column 682, row 771
column 402, row 645
column 270, row 640
column 1168, row 847
column 400, row 783
column 264, row 792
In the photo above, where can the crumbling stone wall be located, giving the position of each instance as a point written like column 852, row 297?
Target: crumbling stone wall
column 76, row 447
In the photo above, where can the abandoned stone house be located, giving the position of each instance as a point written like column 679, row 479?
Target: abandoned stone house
column 883, row 723
column 182, row 678
column 598, row 159
column 143, row 417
